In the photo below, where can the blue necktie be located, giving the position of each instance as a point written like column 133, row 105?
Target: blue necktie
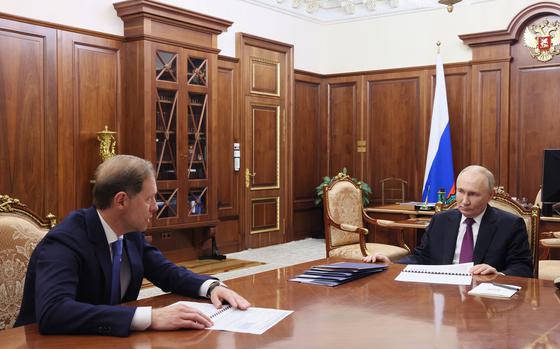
column 116, row 248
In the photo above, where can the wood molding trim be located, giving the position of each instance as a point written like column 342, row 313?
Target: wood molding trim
column 176, row 15
column 268, row 44
column 303, row 73
column 151, row 20
column 222, row 58
column 61, row 27
column 510, row 35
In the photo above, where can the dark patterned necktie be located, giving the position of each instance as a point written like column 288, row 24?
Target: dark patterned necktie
column 467, row 245
column 116, row 248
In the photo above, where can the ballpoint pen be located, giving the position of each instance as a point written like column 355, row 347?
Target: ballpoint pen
column 509, row 287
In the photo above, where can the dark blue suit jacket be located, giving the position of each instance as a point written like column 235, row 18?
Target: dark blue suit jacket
column 502, row 242
column 68, row 281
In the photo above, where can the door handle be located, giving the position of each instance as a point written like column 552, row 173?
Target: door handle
column 248, row 176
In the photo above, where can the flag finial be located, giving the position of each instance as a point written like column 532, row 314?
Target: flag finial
column 438, row 44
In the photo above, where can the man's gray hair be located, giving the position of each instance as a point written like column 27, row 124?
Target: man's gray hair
column 125, row 173
column 482, row 170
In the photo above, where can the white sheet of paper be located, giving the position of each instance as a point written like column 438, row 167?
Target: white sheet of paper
column 253, row 320
column 486, row 289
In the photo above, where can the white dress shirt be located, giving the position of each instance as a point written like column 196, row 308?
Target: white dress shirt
column 461, row 234
column 142, row 318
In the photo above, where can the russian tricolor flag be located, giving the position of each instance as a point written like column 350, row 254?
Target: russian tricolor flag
column 439, row 162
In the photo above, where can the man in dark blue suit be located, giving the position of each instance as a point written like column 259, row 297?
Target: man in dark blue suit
column 70, row 286
column 498, row 240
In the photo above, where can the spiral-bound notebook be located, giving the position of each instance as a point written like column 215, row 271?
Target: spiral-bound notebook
column 450, row 274
column 253, row 320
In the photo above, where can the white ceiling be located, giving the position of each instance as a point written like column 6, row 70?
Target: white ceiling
column 337, row 14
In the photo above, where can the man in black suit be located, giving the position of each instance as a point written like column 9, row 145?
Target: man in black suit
column 498, row 240
column 73, row 284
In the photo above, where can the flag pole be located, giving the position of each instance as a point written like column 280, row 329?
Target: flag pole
column 438, row 44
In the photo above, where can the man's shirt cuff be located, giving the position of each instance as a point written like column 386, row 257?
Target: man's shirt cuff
column 142, row 319
column 204, row 288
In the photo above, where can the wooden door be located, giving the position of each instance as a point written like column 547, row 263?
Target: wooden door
column 266, row 84
column 263, row 182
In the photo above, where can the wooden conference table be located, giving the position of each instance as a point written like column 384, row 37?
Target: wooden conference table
column 375, row 311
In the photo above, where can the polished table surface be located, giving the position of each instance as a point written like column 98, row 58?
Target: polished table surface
column 373, row 312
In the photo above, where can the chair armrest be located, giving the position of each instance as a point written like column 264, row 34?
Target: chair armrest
column 551, row 243
column 385, row 222
column 550, row 234
column 350, row 228
column 380, row 222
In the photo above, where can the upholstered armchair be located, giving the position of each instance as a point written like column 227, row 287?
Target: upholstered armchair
column 504, row 201
column 344, row 217
column 550, row 269
column 20, row 231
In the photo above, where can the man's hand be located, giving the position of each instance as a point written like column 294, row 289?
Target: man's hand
column 220, row 294
column 377, row 257
column 483, row 269
column 178, row 316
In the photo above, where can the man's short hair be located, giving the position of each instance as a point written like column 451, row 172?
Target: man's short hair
column 125, row 173
column 482, row 170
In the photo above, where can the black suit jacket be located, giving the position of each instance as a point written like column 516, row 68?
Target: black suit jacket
column 68, row 281
column 502, row 242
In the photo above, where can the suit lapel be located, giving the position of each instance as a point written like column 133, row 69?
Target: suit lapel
column 450, row 237
column 485, row 235
column 96, row 235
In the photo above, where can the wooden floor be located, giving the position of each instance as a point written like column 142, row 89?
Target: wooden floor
column 211, row 266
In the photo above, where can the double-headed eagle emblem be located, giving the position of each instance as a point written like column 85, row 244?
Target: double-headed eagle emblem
column 543, row 40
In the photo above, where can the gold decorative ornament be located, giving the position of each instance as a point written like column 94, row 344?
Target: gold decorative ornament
column 107, row 143
column 449, row 4
column 9, row 204
column 543, row 40
column 6, row 203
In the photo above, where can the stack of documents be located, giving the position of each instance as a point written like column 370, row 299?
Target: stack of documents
column 337, row 273
column 450, row 274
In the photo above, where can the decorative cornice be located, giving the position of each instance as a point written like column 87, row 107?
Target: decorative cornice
column 510, row 35
column 170, row 14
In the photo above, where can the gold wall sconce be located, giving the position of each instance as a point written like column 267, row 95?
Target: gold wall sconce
column 107, row 143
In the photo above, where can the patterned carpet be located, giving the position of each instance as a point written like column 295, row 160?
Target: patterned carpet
column 274, row 257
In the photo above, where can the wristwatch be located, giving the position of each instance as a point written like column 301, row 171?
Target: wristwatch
column 212, row 287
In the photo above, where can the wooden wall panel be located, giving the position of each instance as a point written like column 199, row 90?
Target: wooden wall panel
column 227, row 134
column 307, row 138
column 90, row 98
column 28, row 122
column 394, row 126
column 534, row 117
column 307, row 141
column 538, row 124
column 228, row 236
column 487, row 117
column 343, row 115
column 230, row 182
